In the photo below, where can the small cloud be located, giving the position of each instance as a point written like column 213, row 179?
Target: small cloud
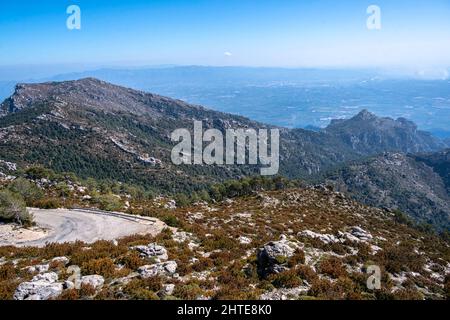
column 227, row 54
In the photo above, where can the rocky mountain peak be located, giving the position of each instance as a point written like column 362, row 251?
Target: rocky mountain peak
column 89, row 93
column 365, row 115
column 371, row 134
column 29, row 94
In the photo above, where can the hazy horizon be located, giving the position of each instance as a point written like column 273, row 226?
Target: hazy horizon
column 33, row 72
column 273, row 45
column 293, row 98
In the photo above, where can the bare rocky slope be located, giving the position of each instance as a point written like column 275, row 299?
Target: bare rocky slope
column 310, row 243
column 369, row 134
column 440, row 162
column 398, row 181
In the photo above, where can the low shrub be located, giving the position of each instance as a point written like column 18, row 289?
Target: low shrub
column 297, row 259
column 320, row 288
column 132, row 261
column 306, row 273
column 333, row 267
column 70, row 294
column 203, row 264
column 220, row 240
column 232, row 293
column 171, row 221
column 108, row 202
column 13, row 209
column 47, row 203
column 104, row 267
column 87, row 291
column 447, row 287
column 286, row 279
column 143, row 289
column 402, row 257
column 7, row 272
column 28, row 190
column 142, row 294
column 7, row 289
column 339, row 248
column 189, row 291
column 408, row 294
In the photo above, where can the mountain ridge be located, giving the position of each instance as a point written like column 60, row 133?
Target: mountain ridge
column 100, row 130
column 368, row 133
column 341, row 141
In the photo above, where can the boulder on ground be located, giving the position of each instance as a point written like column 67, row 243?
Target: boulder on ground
column 325, row 238
column 273, row 256
column 285, row 293
column 244, row 240
column 40, row 268
column 163, row 268
column 62, row 260
column 95, row 281
column 361, row 234
column 41, row 287
column 167, row 290
column 152, row 250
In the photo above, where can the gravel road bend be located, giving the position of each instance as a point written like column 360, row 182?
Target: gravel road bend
column 68, row 225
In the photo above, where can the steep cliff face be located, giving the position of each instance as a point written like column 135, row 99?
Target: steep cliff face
column 369, row 134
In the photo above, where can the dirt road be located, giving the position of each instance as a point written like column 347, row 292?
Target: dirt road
column 64, row 225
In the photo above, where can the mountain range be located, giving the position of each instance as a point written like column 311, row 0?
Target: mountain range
column 294, row 98
column 100, row 130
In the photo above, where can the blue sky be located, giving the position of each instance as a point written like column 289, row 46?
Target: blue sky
column 321, row 33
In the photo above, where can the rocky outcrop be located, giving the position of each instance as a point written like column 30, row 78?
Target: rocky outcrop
column 152, row 250
column 167, row 268
column 41, row 287
column 171, row 204
column 244, row 240
column 61, row 260
column 39, row 268
column 325, row 238
column 10, row 166
column 273, row 256
column 356, row 234
column 167, row 290
column 285, row 293
column 94, row 281
column 361, row 234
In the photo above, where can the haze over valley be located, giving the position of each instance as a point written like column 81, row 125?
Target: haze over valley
column 293, row 98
